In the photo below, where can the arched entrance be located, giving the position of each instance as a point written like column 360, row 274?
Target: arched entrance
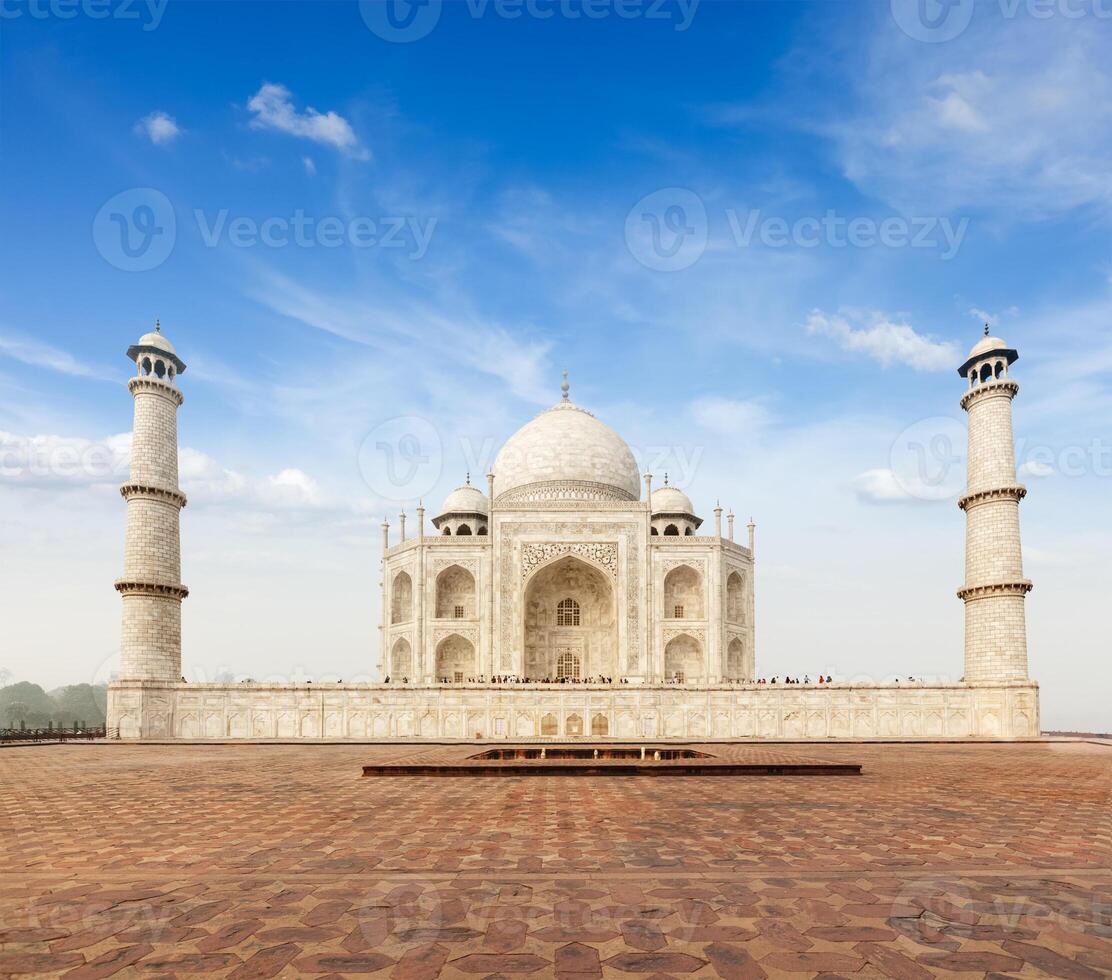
column 455, row 659
column 570, row 623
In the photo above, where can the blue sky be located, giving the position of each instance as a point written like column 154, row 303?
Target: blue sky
column 658, row 201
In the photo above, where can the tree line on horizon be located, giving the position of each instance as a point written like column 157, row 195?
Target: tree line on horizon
column 29, row 705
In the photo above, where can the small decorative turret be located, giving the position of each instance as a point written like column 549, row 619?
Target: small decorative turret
column 671, row 512
column 466, row 511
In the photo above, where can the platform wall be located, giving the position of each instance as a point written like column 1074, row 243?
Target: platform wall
column 145, row 709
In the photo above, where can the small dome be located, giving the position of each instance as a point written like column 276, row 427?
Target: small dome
column 154, row 339
column 986, row 344
column 986, row 347
column 669, row 500
column 465, row 500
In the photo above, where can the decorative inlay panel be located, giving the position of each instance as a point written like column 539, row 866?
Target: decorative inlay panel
column 562, row 490
column 471, row 564
column 602, row 553
column 671, row 632
column 469, row 633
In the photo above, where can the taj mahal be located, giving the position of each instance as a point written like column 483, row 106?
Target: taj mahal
column 570, row 597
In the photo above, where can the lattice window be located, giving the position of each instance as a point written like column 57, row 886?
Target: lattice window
column 678, row 677
column 567, row 665
column 459, row 612
column 567, row 613
column 458, row 675
column 677, row 612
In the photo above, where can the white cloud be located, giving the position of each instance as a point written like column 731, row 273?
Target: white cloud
column 1013, row 115
column 159, row 127
column 62, row 461
column 44, row 356
column 1036, row 468
column 880, row 486
column 310, row 167
column 274, row 109
column 729, row 416
column 884, row 340
column 58, row 462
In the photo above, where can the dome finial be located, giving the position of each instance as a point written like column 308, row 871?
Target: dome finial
column 666, row 478
column 565, row 387
column 986, row 329
column 157, row 325
column 468, row 480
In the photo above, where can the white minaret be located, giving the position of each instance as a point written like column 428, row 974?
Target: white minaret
column 995, row 589
column 150, row 646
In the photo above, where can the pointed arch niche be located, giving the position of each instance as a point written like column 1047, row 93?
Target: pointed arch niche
column 569, row 609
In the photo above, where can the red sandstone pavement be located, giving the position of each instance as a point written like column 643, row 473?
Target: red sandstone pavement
column 282, row 860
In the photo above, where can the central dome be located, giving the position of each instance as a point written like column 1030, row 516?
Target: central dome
column 565, row 453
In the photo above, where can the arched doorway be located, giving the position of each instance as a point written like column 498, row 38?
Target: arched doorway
column 570, row 622
column 455, row 659
column 455, row 593
column 401, row 660
column 683, row 660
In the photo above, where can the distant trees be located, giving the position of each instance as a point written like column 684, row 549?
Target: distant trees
column 35, row 708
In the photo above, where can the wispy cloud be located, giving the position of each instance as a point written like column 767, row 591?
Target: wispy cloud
column 885, row 340
column 730, row 417
column 1013, row 116
column 475, row 342
column 44, row 356
column 273, row 108
column 159, row 127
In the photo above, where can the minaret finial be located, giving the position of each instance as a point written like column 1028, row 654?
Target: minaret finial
column 468, row 481
column 157, row 325
column 986, row 329
column 565, row 387
column 666, row 478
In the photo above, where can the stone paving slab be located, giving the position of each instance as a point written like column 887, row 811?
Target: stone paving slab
column 249, row 861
